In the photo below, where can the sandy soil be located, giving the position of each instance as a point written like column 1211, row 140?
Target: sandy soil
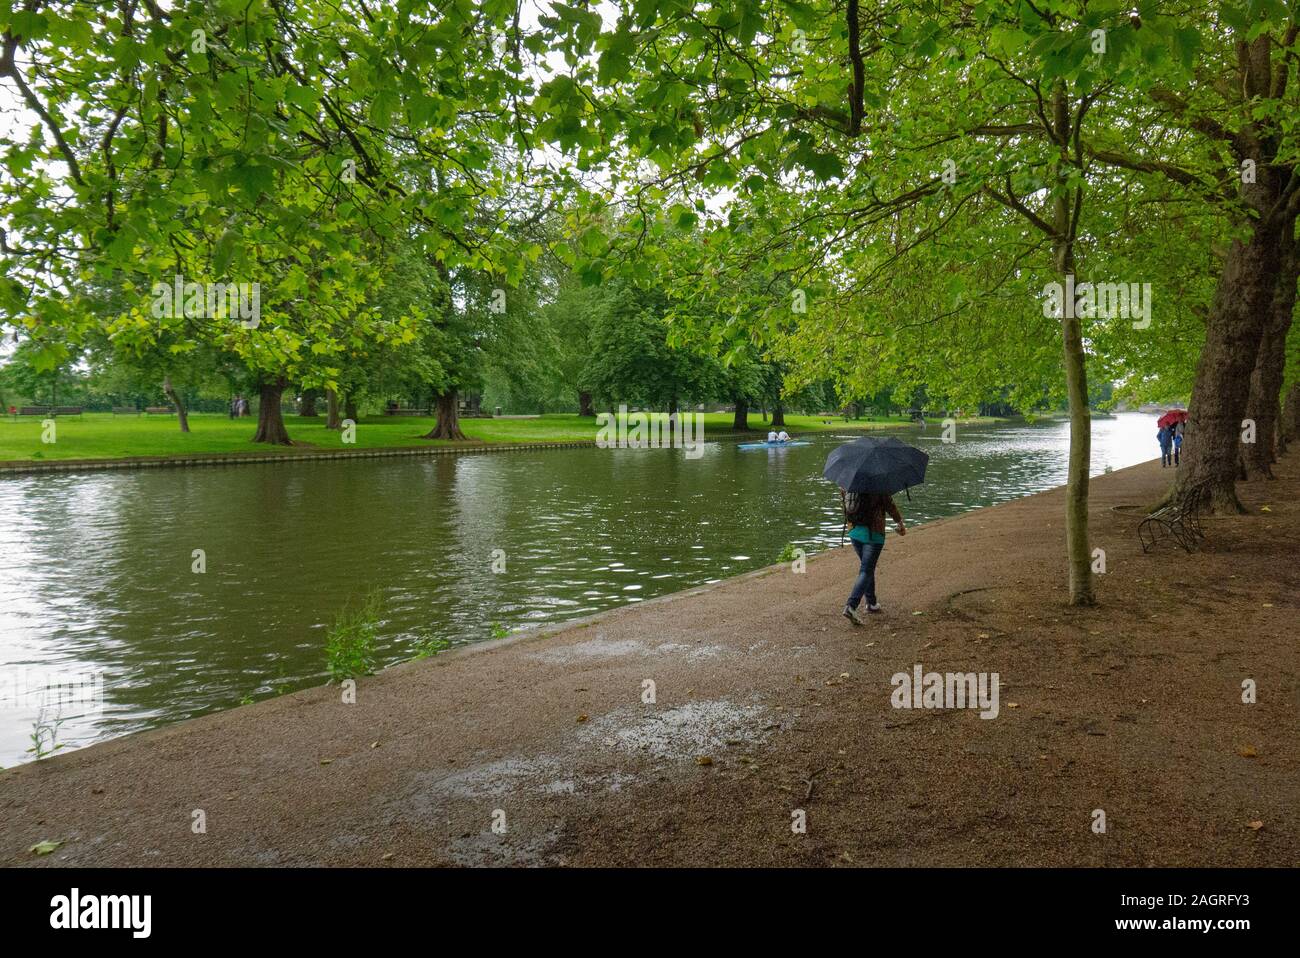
column 766, row 702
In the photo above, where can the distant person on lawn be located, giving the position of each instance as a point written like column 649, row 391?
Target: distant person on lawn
column 1178, row 441
column 1165, row 436
column 864, row 515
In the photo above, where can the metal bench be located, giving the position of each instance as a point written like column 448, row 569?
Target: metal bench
column 160, row 410
column 1180, row 519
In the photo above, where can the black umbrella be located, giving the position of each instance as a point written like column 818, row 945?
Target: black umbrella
column 882, row 465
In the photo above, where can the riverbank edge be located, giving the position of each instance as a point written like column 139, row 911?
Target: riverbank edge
column 531, row 634
column 14, row 468
column 18, row 467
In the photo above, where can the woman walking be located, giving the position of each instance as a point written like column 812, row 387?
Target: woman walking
column 864, row 517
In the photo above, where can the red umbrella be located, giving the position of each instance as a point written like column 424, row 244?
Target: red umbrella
column 1171, row 417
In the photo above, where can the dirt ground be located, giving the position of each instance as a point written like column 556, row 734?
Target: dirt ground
column 768, row 704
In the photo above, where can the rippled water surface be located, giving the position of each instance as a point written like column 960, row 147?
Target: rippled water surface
column 96, row 568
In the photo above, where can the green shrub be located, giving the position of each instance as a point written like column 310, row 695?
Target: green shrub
column 428, row 645
column 350, row 646
column 45, row 735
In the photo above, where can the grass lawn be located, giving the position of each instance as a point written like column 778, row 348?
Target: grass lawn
column 105, row 436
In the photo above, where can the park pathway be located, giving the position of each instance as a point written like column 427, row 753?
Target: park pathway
column 698, row 728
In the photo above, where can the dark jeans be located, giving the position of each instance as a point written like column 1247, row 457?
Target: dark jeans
column 869, row 554
column 1166, row 456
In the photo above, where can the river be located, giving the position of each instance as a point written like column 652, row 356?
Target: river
column 98, row 568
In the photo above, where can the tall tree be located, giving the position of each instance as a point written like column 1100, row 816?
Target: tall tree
column 256, row 143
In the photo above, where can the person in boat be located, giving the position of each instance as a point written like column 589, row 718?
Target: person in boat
column 771, row 436
column 783, row 436
column 864, row 515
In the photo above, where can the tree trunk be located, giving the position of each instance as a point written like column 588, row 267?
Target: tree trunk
column 332, row 418
column 448, row 426
column 270, row 423
column 1076, row 483
column 307, row 403
column 1291, row 414
column 778, row 416
column 1263, row 404
column 585, row 408
column 181, row 415
column 740, row 422
column 1078, row 555
column 350, row 409
column 1212, row 443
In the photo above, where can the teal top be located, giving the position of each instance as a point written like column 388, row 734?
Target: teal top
column 863, row 534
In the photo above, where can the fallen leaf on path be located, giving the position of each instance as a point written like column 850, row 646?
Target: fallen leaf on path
column 703, row 760
column 582, row 717
column 326, row 761
column 1013, row 705
column 44, row 847
column 918, row 613
column 1255, row 826
column 1247, row 751
column 387, row 855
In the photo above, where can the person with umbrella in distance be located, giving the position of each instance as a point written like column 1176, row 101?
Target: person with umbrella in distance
column 868, row 472
column 1169, row 434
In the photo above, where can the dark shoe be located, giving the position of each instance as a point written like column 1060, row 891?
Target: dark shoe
column 851, row 614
